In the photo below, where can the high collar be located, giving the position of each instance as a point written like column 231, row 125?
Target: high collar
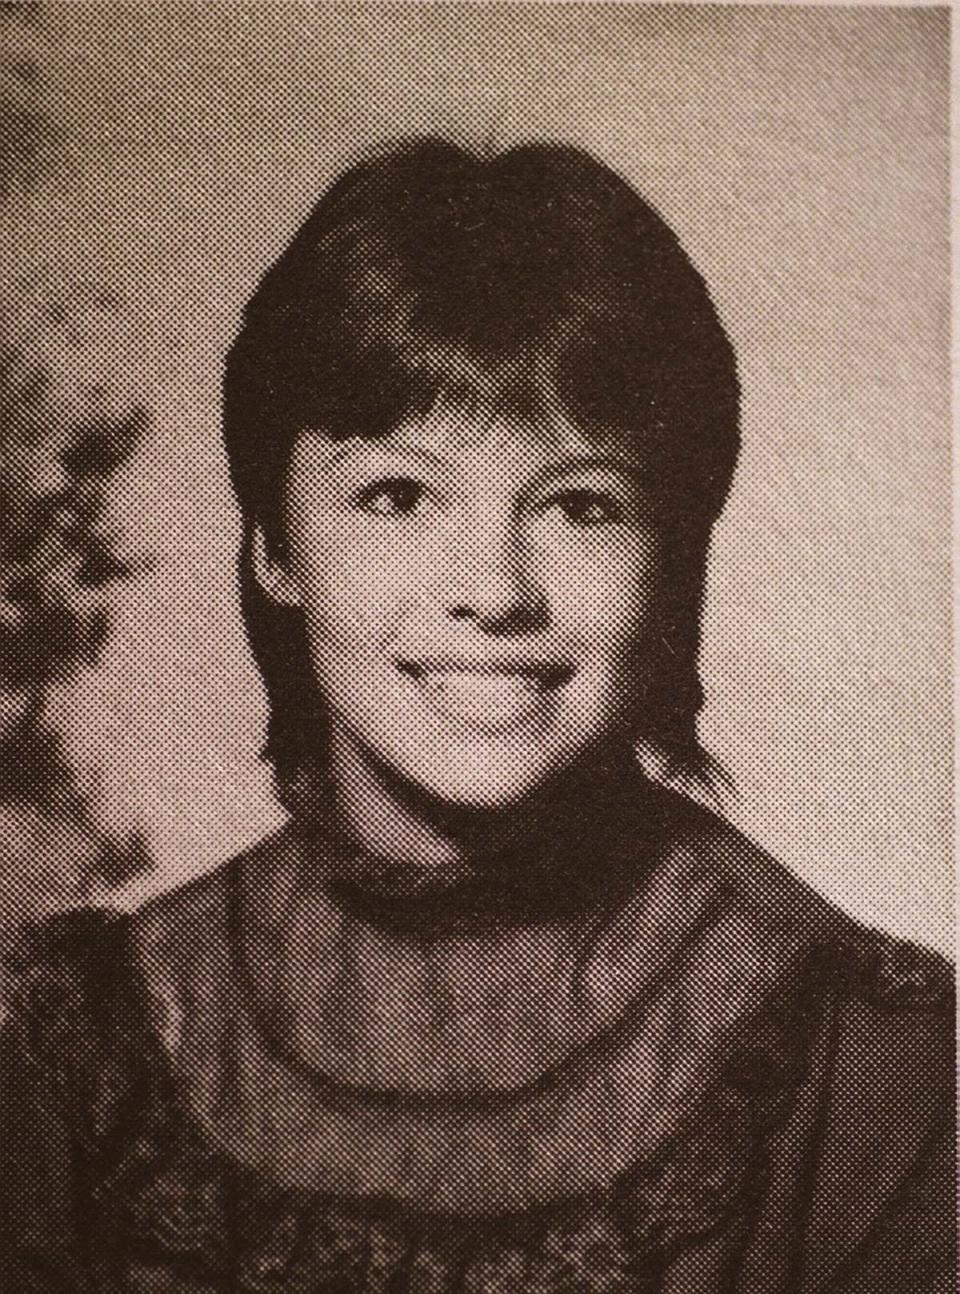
column 534, row 875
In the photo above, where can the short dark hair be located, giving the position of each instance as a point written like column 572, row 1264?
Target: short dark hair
column 514, row 280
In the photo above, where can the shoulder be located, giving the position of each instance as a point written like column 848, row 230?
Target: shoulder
column 73, row 1025
column 890, row 1002
column 193, row 914
column 867, row 968
column 882, row 1184
column 78, row 963
column 55, row 963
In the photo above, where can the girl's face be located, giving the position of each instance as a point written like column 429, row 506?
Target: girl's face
column 476, row 594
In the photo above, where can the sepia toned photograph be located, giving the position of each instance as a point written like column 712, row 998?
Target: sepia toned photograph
column 476, row 743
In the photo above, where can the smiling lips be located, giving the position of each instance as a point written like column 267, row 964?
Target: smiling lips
column 488, row 695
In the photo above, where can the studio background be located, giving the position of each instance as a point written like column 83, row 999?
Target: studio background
column 800, row 154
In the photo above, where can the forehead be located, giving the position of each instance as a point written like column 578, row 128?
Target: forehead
column 461, row 430
column 494, row 440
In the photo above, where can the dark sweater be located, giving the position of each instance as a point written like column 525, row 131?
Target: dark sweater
column 818, row 1156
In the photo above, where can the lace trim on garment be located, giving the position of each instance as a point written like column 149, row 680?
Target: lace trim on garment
column 161, row 1188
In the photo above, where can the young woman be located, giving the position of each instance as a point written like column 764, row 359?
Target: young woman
column 497, row 1010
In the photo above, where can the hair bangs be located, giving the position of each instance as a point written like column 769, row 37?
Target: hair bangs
column 533, row 284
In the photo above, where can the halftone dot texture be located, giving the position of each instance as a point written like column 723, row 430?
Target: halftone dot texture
column 800, row 154
column 693, row 1077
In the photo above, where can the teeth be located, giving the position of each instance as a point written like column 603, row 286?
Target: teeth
column 485, row 700
column 469, row 686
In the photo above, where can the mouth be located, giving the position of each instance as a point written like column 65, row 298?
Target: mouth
column 489, row 695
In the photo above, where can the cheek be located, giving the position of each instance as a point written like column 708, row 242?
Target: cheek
column 349, row 590
column 606, row 605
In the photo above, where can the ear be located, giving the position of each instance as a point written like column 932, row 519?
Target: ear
column 271, row 573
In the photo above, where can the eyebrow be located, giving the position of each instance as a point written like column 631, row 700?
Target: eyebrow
column 597, row 462
column 356, row 444
column 613, row 461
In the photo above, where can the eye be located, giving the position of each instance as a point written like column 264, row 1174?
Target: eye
column 397, row 496
column 586, row 507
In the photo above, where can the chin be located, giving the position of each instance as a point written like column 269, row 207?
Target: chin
column 493, row 782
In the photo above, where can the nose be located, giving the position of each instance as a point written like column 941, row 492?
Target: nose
column 490, row 580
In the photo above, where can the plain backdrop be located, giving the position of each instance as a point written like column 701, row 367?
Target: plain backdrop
column 801, row 155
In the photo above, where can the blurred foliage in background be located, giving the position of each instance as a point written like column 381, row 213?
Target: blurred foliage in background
column 64, row 432
column 66, row 427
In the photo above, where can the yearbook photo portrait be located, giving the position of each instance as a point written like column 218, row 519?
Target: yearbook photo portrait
column 475, row 713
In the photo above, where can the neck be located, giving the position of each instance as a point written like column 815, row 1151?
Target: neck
column 384, row 818
column 398, row 847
